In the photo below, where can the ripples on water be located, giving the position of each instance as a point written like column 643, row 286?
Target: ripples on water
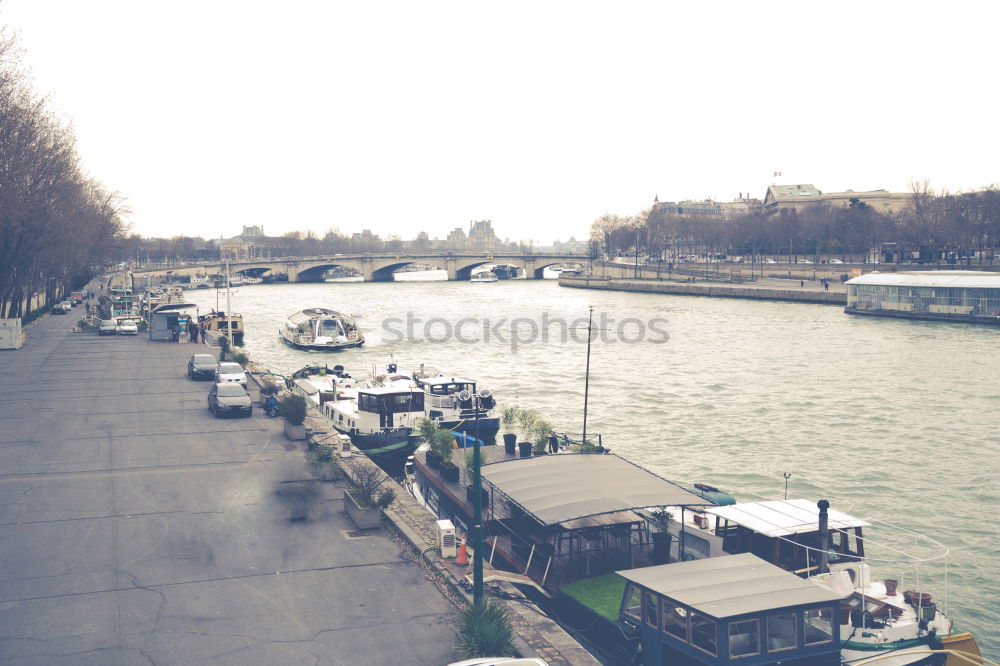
column 894, row 420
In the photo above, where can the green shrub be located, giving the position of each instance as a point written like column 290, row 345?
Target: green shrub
column 486, row 631
column 323, row 454
column 293, row 408
column 241, row 358
column 508, row 414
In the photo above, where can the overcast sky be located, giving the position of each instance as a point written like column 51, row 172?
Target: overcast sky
column 540, row 116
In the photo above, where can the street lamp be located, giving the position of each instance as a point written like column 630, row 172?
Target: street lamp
column 477, row 513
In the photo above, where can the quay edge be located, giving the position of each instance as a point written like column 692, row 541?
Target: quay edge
column 716, row 290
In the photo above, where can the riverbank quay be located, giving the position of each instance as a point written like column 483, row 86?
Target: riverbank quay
column 766, row 289
column 136, row 528
column 536, row 635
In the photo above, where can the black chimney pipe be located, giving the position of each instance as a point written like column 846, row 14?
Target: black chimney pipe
column 824, row 535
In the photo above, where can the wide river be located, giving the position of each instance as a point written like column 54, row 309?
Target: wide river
column 895, row 421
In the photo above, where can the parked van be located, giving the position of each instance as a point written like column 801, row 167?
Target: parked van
column 76, row 297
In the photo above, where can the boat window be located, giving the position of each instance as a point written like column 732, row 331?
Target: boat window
column 818, row 626
column 743, row 638
column 367, row 403
column 675, row 621
column 408, row 402
column 650, row 604
column 703, row 633
column 781, row 632
column 633, row 603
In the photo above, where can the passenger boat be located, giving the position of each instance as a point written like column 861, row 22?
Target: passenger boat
column 200, row 282
column 321, row 329
column 783, row 582
column 958, row 296
column 484, row 276
column 218, row 324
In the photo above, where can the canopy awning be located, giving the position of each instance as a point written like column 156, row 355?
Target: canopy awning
column 730, row 585
column 562, row 487
column 170, row 307
column 780, row 518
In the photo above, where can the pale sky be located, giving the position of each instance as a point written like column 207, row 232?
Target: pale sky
column 540, row 116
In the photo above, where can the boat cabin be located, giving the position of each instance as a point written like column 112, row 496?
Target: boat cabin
column 449, row 397
column 377, row 409
column 735, row 609
column 559, row 518
column 787, row 533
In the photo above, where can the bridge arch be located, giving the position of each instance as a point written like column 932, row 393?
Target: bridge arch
column 315, row 272
column 384, row 273
column 464, row 273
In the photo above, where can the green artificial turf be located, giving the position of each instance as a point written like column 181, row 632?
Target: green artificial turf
column 602, row 594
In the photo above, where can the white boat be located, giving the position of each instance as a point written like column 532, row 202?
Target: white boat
column 252, row 280
column 322, row 329
column 485, row 276
column 200, row 282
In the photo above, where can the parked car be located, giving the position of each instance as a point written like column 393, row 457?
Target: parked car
column 836, row 261
column 107, row 327
column 202, row 366
column 229, row 399
column 128, row 327
column 229, row 372
column 61, row 308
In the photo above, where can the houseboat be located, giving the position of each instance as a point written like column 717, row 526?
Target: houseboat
column 755, row 583
column 321, row 329
column 484, row 276
column 455, row 403
column 219, row 324
column 958, row 296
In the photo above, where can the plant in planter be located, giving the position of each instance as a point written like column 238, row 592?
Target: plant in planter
column 660, row 520
column 508, row 417
column 426, row 428
column 323, row 462
column 540, row 431
column 526, row 420
column 366, row 500
column 293, row 408
column 443, row 443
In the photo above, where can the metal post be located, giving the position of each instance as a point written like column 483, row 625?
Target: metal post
column 586, row 380
column 229, row 310
column 477, row 519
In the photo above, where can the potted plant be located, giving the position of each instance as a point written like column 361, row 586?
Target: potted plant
column 323, row 463
column 508, row 416
column 293, row 408
column 660, row 520
column 426, row 430
column 366, row 500
column 540, row 431
column 526, row 419
column 444, row 442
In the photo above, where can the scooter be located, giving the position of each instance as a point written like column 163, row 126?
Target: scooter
column 271, row 407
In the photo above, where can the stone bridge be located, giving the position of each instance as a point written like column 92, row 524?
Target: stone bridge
column 380, row 267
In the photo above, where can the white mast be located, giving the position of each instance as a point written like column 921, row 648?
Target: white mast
column 229, row 322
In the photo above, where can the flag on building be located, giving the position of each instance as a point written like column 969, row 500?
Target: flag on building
column 777, row 173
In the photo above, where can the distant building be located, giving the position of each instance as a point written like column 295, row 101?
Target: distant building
column 707, row 208
column 457, row 240
column 251, row 244
column 796, row 197
column 481, row 236
column 572, row 246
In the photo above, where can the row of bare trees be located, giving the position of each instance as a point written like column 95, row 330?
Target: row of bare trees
column 938, row 228
column 55, row 222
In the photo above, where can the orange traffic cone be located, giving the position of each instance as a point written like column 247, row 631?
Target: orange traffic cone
column 463, row 555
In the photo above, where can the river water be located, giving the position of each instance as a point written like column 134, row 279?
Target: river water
column 891, row 420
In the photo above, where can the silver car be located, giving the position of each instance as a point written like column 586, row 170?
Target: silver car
column 229, row 399
column 228, row 372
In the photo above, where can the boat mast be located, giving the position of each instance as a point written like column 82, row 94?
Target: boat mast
column 229, row 310
column 586, row 376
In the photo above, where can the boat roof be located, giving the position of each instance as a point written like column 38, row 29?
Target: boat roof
column 389, row 390
column 437, row 381
column 563, row 487
column 310, row 313
column 730, row 585
column 779, row 518
column 166, row 307
column 956, row 279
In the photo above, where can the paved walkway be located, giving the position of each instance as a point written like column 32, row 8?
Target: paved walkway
column 135, row 528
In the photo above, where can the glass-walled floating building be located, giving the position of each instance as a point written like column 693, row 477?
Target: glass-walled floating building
column 964, row 296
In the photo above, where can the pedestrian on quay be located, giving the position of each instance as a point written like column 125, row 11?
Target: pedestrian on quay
column 193, row 331
column 802, row 283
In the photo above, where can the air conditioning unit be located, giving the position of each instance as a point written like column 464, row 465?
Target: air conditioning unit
column 446, row 538
column 344, row 445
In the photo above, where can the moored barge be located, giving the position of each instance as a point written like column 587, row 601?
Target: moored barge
column 956, row 296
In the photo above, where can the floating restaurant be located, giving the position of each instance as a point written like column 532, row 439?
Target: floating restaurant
column 961, row 296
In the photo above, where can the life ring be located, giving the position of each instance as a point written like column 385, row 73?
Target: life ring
column 862, row 306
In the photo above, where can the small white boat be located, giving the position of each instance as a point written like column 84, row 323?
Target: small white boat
column 322, row 329
column 200, row 282
column 485, row 276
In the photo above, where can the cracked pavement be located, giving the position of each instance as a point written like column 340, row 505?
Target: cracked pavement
column 136, row 528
